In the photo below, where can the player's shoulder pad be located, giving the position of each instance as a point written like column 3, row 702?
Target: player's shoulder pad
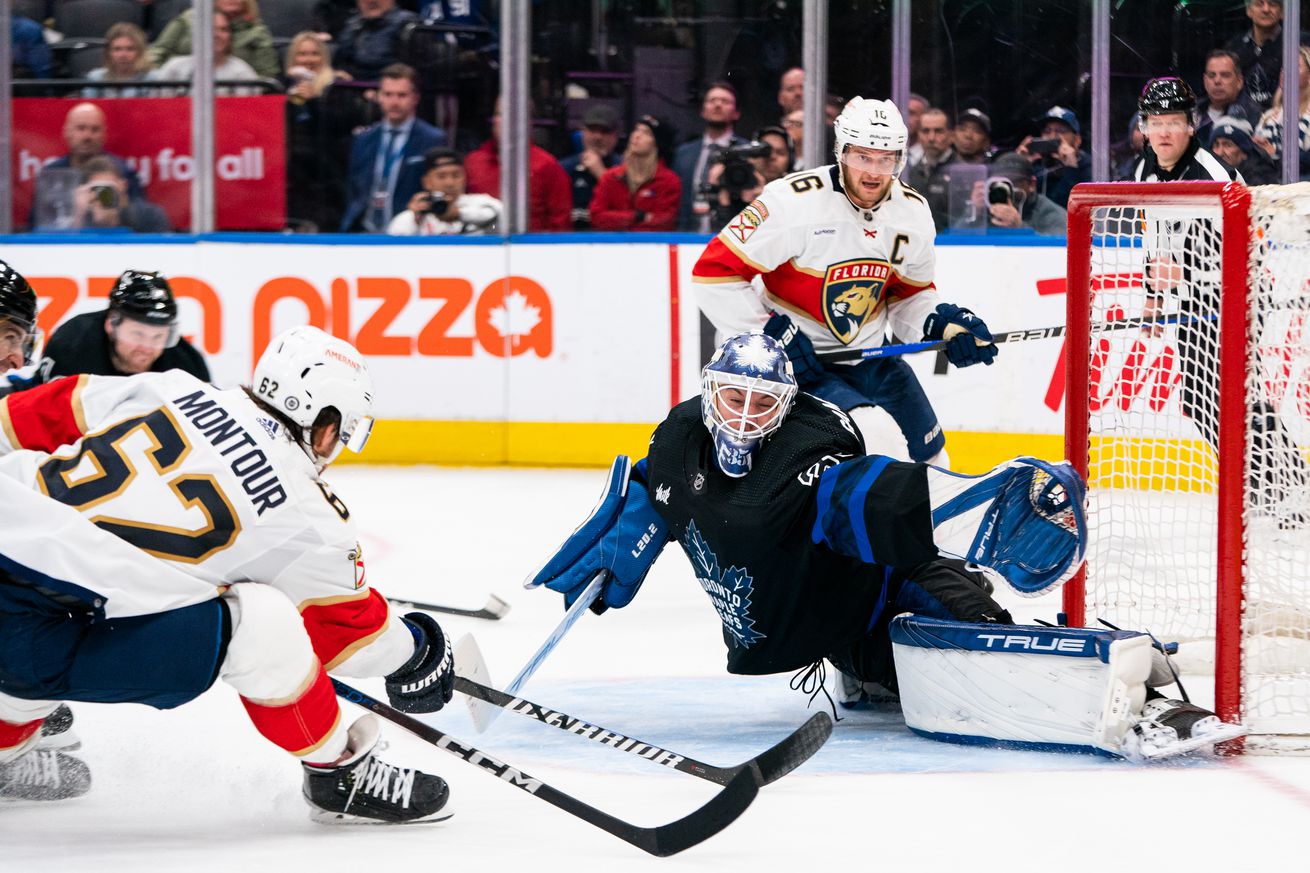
column 914, row 205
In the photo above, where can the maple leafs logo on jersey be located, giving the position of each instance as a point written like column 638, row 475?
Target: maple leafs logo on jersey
column 730, row 590
column 852, row 293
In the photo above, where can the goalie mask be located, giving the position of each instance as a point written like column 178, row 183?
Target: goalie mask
column 746, row 390
column 305, row 371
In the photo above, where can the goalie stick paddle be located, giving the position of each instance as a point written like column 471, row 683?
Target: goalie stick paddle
column 495, row 610
column 484, row 714
column 1008, row 336
column 722, row 809
column 770, row 765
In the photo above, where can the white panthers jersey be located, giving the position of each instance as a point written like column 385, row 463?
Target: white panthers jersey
column 842, row 273
column 205, row 480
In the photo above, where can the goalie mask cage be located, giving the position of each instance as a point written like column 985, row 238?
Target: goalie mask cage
column 1192, row 433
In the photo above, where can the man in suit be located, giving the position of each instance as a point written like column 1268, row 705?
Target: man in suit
column 693, row 159
column 386, row 160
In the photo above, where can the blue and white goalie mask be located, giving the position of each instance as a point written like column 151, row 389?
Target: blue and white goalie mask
column 746, row 390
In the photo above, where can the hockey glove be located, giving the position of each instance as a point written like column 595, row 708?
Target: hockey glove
column 968, row 341
column 426, row 682
column 805, row 365
column 622, row 537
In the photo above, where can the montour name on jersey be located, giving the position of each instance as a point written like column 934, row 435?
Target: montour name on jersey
column 251, row 466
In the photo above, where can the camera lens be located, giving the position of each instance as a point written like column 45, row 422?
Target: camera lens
column 998, row 192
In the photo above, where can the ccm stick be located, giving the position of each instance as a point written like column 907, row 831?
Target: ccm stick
column 668, row 839
column 1009, row 336
column 495, row 610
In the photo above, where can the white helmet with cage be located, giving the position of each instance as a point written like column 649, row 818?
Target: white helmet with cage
column 304, row 371
column 872, row 124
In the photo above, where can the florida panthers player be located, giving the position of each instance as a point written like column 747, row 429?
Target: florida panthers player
column 224, row 487
column 810, row 549
column 833, row 257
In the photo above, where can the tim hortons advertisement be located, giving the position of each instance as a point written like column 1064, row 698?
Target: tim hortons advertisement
column 153, row 135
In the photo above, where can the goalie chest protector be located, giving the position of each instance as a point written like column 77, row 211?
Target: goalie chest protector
column 784, row 602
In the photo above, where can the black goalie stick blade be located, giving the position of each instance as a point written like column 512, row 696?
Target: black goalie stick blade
column 721, row 810
column 494, row 610
column 770, row 765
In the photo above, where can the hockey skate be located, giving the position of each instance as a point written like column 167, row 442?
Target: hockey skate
column 854, row 694
column 57, row 731
column 1169, row 728
column 43, row 774
column 363, row 789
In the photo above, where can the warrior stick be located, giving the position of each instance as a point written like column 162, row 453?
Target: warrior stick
column 495, row 610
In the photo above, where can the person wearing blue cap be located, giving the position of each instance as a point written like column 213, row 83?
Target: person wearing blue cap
column 1230, row 140
column 1059, row 161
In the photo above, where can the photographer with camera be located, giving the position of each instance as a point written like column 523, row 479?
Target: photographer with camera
column 641, row 193
column 1059, row 161
column 739, row 173
column 101, row 202
column 1011, row 199
column 443, row 208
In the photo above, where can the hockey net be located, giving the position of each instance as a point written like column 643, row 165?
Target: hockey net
column 1192, row 431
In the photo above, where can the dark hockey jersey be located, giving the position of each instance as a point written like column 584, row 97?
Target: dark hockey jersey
column 784, row 601
column 81, row 345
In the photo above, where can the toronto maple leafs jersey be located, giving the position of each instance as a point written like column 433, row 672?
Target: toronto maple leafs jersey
column 784, row 602
column 843, row 273
column 205, row 480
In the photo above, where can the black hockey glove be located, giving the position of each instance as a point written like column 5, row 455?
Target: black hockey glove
column 805, row 364
column 427, row 681
column 968, row 341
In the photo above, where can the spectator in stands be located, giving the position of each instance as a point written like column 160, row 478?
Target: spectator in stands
column 84, row 133
column 444, row 207
column 1230, row 140
column 1269, row 131
column 1260, row 49
column 250, row 40
column 1127, row 150
column 549, row 196
column 600, row 137
column 929, row 176
column 1224, row 94
column 781, row 159
column 101, row 202
column 1058, row 157
column 125, row 61
column 367, row 44
column 182, row 68
column 316, row 179
column 329, row 17
column 915, row 106
column 642, row 193
column 973, row 137
column 794, row 123
column 386, row 160
column 791, row 91
column 31, row 55
column 692, row 160
column 1012, row 200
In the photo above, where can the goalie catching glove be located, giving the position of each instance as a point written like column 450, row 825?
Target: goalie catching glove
column 621, row 538
column 968, row 341
column 426, row 682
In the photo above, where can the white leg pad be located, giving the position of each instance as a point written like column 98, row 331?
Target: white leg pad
column 881, row 434
column 269, row 658
column 1020, row 686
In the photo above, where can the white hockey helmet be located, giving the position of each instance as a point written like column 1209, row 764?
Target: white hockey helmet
column 304, row 371
column 873, row 124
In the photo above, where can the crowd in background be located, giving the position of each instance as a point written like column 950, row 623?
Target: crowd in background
column 393, row 125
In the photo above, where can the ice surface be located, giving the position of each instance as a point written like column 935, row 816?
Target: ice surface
column 196, row 789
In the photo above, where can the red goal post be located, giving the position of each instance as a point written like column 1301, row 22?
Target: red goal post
column 1189, row 435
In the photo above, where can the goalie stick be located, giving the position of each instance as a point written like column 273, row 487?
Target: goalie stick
column 720, row 811
column 1009, row 336
column 771, row 764
column 495, row 609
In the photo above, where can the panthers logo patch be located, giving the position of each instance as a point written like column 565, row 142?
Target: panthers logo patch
column 852, row 293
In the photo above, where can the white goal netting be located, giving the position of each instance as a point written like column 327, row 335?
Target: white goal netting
column 1153, row 437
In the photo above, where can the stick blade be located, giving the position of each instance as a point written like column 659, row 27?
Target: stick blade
column 776, row 762
column 470, row 664
column 496, row 608
column 723, row 809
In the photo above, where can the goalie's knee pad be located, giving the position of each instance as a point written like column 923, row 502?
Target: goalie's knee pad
column 882, row 435
column 1063, row 689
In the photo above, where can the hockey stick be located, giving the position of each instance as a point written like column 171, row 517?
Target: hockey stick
column 495, row 610
column 771, row 764
column 722, row 809
column 1009, row 336
column 484, row 714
